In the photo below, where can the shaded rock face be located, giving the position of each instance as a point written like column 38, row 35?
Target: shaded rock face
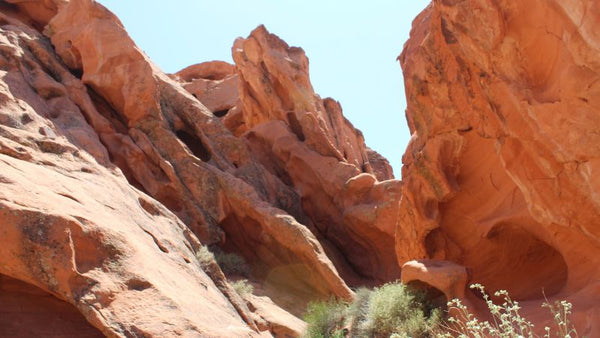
column 114, row 173
column 500, row 174
column 30, row 312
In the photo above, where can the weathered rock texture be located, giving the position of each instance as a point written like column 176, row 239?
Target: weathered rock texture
column 501, row 174
column 347, row 193
column 113, row 174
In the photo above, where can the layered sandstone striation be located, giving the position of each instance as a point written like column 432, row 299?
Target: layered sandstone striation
column 500, row 174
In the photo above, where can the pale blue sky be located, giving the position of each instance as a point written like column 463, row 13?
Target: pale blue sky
column 352, row 46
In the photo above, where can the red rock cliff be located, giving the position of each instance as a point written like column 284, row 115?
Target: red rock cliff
column 501, row 172
column 114, row 173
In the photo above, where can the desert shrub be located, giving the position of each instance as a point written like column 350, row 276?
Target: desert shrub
column 395, row 309
column 204, row 255
column 506, row 321
column 561, row 310
column 325, row 319
column 358, row 310
column 242, row 287
column 232, row 264
column 391, row 310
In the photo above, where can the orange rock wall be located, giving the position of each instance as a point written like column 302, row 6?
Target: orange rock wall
column 107, row 160
column 499, row 175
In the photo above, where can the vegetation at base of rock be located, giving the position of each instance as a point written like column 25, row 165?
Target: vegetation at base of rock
column 325, row 319
column 396, row 310
column 204, row 255
column 230, row 263
column 242, row 287
column 506, row 320
column 392, row 309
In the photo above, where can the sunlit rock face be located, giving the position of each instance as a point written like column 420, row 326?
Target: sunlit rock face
column 500, row 175
column 114, row 174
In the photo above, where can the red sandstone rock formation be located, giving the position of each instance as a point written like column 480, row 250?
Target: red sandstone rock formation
column 500, row 174
column 87, row 117
column 308, row 143
column 113, row 173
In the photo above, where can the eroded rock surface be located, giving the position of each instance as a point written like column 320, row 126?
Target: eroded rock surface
column 308, row 143
column 114, row 173
column 500, row 174
column 111, row 170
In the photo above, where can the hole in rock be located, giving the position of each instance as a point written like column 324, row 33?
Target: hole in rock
column 221, row 113
column 138, row 284
column 431, row 296
column 78, row 73
column 28, row 311
column 295, row 126
column 513, row 259
column 194, row 144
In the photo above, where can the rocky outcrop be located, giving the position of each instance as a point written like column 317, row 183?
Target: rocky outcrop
column 499, row 175
column 114, row 174
column 308, row 143
column 111, row 171
column 214, row 83
column 187, row 159
column 73, row 227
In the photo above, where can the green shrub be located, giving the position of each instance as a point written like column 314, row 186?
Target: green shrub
column 232, row 264
column 324, row 319
column 358, row 310
column 394, row 309
column 242, row 287
column 391, row 310
column 204, row 255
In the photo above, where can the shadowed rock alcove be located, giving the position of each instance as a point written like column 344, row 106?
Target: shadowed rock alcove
column 27, row 311
column 511, row 258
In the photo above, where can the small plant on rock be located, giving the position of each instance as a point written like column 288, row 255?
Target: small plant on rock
column 242, row 287
column 232, row 264
column 204, row 256
column 506, row 320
